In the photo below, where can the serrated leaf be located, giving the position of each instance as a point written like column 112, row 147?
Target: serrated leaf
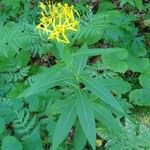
column 86, row 117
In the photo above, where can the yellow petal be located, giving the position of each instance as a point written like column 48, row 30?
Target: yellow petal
column 56, row 19
column 42, row 6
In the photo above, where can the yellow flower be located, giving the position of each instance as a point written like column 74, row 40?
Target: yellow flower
column 57, row 20
column 59, row 34
column 42, row 6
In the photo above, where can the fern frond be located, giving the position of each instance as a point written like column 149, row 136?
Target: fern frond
column 23, row 124
column 14, row 4
column 42, row 118
column 5, row 101
column 92, row 28
column 13, row 39
column 15, row 74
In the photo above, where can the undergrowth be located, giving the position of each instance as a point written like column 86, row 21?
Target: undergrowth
column 75, row 74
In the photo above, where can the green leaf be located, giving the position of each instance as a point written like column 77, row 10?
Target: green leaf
column 92, row 28
column 144, row 134
column 14, row 4
column 11, row 143
column 80, row 63
column 144, row 79
column 138, row 4
column 63, row 126
column 6, row 112
column 23, row 58
column 59, row 106
column 79, row 138
column 133, row 137
column 105, row 117
column 17, row 104
column 134, row 62
column 2, row 125
column 49, row 78
column 13, row 39
column 147, row 22
column 140, row 97
column 138, row 46
column 120, row 52
column 86, row 117
column 116, row 61
column 123, row 2
column 66, row 55
column 105, row 6
column 99, row 90
column 116, row 85
column 33, row 141
column 23, row 123
column 33, row 102
column 114, row 32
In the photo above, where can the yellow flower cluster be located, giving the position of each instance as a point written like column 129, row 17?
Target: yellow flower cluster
column 56, row 20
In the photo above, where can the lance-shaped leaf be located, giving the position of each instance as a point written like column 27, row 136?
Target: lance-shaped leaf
column 80, row 63
column 63, row 126
column 99, row 90
column 118, row 86
column 105, row 117
column 84, row 51
column 49, row 78
column 86, row 117
column 79, row 138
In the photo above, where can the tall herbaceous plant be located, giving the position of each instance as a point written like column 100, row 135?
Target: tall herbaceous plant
column 84, row 95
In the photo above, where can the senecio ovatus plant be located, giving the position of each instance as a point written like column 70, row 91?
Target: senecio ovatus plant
column 57, row 20
column 83, row 94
